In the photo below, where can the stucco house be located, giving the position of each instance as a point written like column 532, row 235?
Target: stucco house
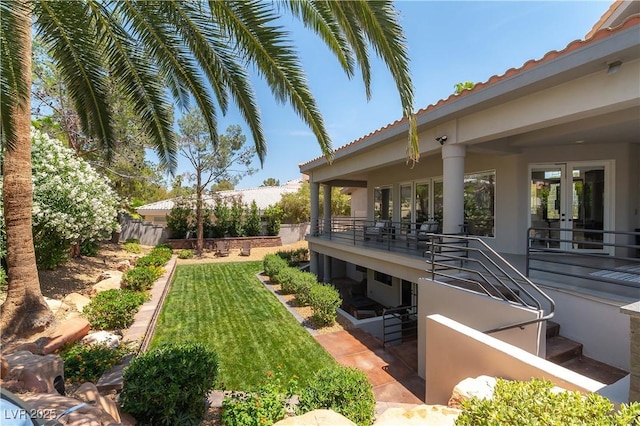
column 532, row 180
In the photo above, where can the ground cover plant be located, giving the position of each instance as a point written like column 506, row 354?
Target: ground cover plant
column 114, row 308
column 86, row 363
column 225, row 306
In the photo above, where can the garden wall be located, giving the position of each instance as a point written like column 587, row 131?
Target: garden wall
column 292, row 233
column 235, row 242
column 147, row 233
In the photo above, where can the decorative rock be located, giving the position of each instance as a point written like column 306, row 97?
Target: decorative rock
column 4, row 368
column 316, row 418
column 481, row 387
column 127, row 419
column 45, row 368
column 420, row 415
column 108, row 284
column 123, row 266
column 31, row 347
column 67, row 331
column 57, row 306
column 105, row 275
column 88, row 392
column 57, row 404
column 102, row 338
column 30, row 382
column 77, row 300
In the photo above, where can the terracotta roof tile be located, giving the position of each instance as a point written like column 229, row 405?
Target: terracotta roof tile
column 574, row 45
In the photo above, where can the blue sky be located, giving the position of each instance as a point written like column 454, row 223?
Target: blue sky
column 449, row 42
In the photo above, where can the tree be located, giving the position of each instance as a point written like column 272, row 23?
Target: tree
column 223, row 185
column 296, row 206
column 228, row 160
column 270, row 182
column 154, row 49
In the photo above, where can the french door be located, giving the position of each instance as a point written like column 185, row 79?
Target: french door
column 573, row 202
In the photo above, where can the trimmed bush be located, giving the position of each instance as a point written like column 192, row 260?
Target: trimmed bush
column 87, row 363
column 157, row 257
column 140, row 278
column 185, row 254
column 168, row 385
column 324, row 300
column 534, row 403
column 134, row 248
column 304, row 282
column 113, row 308
column 164, row 246
column 287, row 278
column 294, row 257
column 344, row 390
column 272, row 265
column 132, row 241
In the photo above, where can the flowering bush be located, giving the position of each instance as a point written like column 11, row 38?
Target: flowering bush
column 72, row 203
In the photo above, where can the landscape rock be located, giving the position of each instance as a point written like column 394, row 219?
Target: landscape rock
column 4, row 368
column 316, row 418
column 85, row 416
column 102, row 338
column 105, row 275
column 88, row 392
column 107, row 284
column 31, row 383
column 67, row 331
column 123, row 266
column 77, row 300
column 43, row 367
column 31, row 347
column 58, row 307
column 481, row 387
column 420, row 415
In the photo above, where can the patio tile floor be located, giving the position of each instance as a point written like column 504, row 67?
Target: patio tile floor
column 392, row 380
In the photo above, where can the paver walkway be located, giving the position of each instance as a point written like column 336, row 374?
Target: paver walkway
column 392, row 379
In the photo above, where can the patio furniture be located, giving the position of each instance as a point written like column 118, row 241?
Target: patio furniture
column 423, row 234
column 222, row 248
column 245, row 250
column 380, row 230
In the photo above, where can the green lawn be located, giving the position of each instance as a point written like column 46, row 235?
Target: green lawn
column 225, row 306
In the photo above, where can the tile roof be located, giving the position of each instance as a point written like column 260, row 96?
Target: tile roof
column 574, row 45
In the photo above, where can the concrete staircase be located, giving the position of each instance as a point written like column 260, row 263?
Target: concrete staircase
column 568, row 353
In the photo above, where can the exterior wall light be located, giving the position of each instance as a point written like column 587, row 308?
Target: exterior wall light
column 441, row 139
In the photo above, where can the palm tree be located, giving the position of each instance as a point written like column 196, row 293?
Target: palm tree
column 197, row 52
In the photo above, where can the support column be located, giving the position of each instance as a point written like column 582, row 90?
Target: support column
column 633, row 310
column 453, row 188
column 314, row 189
column 326, row 209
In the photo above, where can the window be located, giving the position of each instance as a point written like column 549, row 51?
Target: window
column 479, row 202
column 382, row 203
column 422, row 202
column 406, row 206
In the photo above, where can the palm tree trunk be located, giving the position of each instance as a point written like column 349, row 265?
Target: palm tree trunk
column 24, row 312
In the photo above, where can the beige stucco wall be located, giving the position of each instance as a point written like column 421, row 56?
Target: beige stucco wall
column 477, row 311
column 454, row 352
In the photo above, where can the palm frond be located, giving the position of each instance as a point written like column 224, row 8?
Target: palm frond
column 15, row 21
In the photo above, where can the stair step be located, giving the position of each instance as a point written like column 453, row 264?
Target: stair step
column 560, row 349
column 553, row 329
column 596, row 370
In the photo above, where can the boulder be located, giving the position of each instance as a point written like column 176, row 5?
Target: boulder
column 101, row 338
column 108, row 284
column 44, row 368
column 123, row 266
column 58, row 307
column 316, row 418
column 67, row 331
column 419, row 415
column 481, row 387
column 88, row 392
column 57, row 404
column 105, row 275
column 31, row 383
column 77, row 300
column 31, row 347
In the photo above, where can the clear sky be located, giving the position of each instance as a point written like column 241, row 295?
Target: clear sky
column 449, row 42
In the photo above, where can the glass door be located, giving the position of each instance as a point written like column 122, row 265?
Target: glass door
column 406, row 207
column 568, row 207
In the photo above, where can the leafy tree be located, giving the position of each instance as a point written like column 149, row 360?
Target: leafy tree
column 297, row 205
column 228, row 160
column 192, row 46
column 223, row 185
column 460, row 87
column 236, row 222
column 222, row 214
column 180, row 219
column 253, row 224
column 270, row 182
column 273, row 216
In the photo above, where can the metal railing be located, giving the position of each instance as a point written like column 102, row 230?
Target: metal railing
column 399, row 324
column 468, row 262
column 597, row 255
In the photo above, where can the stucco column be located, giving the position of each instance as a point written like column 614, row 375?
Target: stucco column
column 326, row 209
column 453, row 188
column 314, row 189
column 633, row 310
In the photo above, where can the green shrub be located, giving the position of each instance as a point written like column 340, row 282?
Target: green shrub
column 344, row 390
column 113, row 308
column 294, row 257
column 164, row 246
column 89, row 248
column 324, row 300
column 132, row 241
column 168, row 385
column 534, row 403
column 87, row 363
column 140, row 278
column 253, row 224
column 273, row 216
column 162, row 252
column 265, row 406
column 304, row 282
column 287, row 278
column 51, row 249
column 135, row 248
column 185, row 254
column 157, row 257
column 272, row 265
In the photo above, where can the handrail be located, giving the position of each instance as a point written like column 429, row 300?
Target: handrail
column 399, row 312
